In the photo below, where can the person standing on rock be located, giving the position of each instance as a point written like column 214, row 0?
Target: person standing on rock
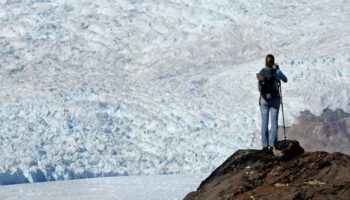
column 270, row 99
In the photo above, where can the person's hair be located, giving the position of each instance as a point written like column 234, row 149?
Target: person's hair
column 269, row 60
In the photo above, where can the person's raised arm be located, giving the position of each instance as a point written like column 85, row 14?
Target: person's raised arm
column 279, row 74
column 282, row 76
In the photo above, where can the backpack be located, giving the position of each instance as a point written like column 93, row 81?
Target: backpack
column 269, row 86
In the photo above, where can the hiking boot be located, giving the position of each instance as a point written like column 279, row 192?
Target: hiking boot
column 265, row 148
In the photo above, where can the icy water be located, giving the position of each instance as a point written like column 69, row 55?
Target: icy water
column 116, row 188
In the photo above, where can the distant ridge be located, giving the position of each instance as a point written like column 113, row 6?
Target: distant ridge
column 328, row 132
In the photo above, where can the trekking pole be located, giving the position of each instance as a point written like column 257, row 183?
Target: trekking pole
column 284, row 125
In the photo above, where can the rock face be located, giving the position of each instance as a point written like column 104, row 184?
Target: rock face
column 259, row 174
column 328, row 132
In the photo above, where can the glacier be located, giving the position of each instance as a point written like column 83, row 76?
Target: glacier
column 137, row 87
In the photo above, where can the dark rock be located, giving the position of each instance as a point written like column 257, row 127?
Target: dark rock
column 259, row 174
column 287, row 149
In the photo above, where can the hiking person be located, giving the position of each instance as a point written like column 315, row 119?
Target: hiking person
column 270, row 99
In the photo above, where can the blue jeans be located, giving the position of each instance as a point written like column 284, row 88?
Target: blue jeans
column 269, row 106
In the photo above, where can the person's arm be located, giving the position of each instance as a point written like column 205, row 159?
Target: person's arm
column 279, row 73
column 281, row 76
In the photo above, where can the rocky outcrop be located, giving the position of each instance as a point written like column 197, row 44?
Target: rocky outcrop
column 328, row 132
column 265, row 174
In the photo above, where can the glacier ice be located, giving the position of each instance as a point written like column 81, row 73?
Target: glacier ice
column 139, row 87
